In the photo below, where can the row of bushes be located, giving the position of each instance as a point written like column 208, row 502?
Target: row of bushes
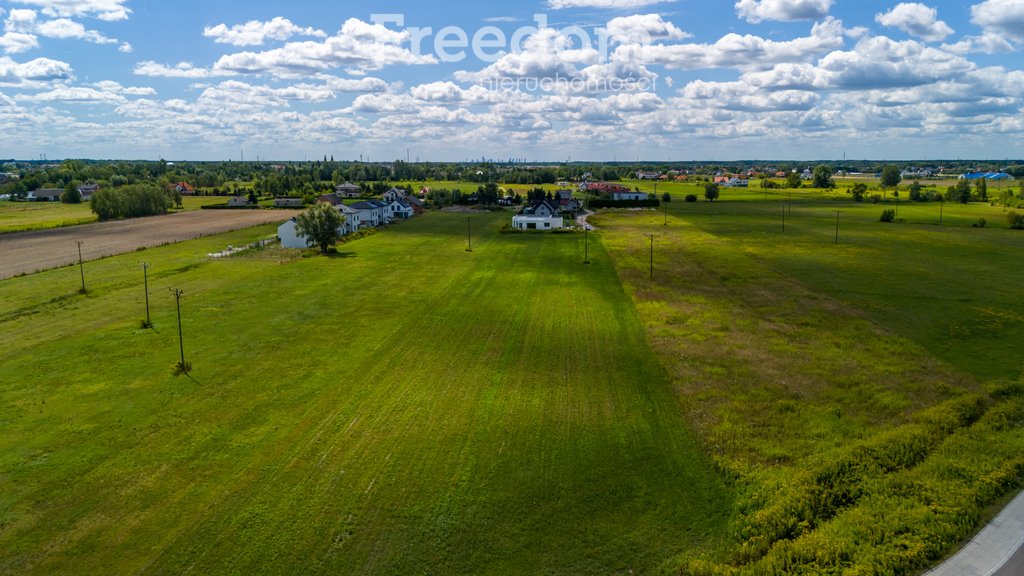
column 602, row 203
column 837, row 481
column 912, row 518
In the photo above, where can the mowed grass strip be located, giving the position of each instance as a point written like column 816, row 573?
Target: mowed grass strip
column 403, row 407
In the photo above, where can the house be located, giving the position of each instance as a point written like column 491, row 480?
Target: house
column 394, row 194
column 184, row 189
column 372, row 212
column 544, row 208
column 531, row 222
column 401, row 209
column 418, row 206
column 289, row 237
column 807, row 175
column 87, row 190
column 737, row 183
column 563, row 194
column 648, row 176
column 46, row 195
column 721, row 179
column 348, row 190
column 569, row 205
column 332, row 199
column 288, row 203
column 239, row 202
column 629, row 195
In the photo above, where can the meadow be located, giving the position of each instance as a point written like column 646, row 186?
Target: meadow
column 28, row 216
column 865, row 397
column 403, row 407
column 769, row 402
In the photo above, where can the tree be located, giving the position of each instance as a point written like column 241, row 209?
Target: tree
column 982, row 189
column 792, row 180
column 71, row 195
column 915, row 192
column 666, row 197
column 859, row 190
column 960, row 193
column 319, row 225
column 891, row 176
column 711, row 191
column 823, row 176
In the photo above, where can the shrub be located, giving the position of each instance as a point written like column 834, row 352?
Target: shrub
column 876, row 198
column 1015, row 220
column 691, row 197
column 981, row 223
column 888, row 215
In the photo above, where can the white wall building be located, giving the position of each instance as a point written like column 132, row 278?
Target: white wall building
column 526, row 222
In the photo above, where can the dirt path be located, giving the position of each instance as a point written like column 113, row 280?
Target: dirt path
column 28, row 252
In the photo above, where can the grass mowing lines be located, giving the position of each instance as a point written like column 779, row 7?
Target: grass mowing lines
column 408, row 408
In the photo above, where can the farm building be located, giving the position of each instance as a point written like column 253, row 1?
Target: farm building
column 239, row 202
column 997, row 176
column 46, row 194
column 288, row 203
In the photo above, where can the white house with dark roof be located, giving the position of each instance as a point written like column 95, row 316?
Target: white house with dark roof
column 290, row 238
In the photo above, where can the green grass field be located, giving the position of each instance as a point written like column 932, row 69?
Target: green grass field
column 865, row 397
column 27, row 216
column 406, row 407
column 768, row 403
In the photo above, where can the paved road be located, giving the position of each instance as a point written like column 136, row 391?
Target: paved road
column 995, row 551
column 27, row 252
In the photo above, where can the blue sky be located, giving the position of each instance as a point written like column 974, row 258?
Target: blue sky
column 600, row 80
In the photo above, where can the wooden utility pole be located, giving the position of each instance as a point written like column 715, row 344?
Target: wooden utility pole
column 652, row 237
column 145, row 280
column 81, row 265
column 182, row 367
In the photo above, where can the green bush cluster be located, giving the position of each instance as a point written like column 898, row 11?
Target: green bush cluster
column 889, row 215
column 1015, row 221
column 130, row 202
column 893, row 505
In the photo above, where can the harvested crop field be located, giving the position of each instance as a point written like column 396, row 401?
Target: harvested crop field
column 27, row 252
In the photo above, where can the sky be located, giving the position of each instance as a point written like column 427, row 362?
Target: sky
column 542, row 80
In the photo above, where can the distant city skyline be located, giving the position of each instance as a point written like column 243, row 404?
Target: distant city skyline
column 546, row 80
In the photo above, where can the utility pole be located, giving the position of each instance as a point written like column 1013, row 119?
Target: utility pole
column 837, row 226
column 652, row 237
column 783, row 219
column 469, row 233
column 145, row 279
column 586, row 243
column 182, row 367
column 941, row 204
column 81, row 266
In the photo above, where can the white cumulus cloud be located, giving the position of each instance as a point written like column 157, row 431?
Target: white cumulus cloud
column 643, row 28
column 756, row 11
column 180, row 70
column 1002, row 17
column 109, row 10
column 256, row 33
column 917, row 20
column 604, row 4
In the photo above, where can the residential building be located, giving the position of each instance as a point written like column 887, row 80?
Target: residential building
column 46, row 195
column 530, row 222
column 348, row 190
column 629, row 195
